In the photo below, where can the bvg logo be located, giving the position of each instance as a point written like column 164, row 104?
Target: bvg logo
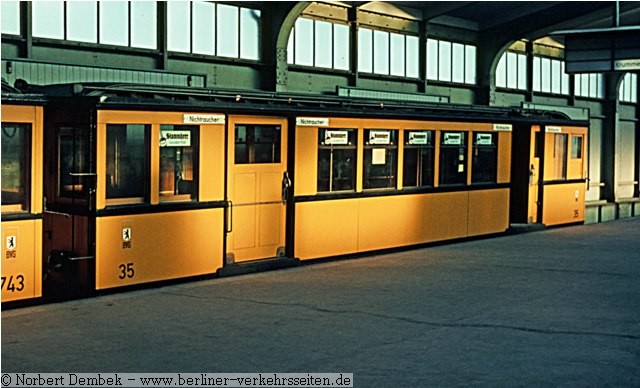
column 11, row 246
column 126, row 238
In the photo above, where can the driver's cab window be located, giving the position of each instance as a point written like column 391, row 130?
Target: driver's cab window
column 73, row 163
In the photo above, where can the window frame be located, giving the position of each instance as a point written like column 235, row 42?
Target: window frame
column 146, row 168
column 23, row 205
column 351, row 147
column 420, row 149
column 391, row 152
column 195, row 145
column 475, row 148
column 460, row 162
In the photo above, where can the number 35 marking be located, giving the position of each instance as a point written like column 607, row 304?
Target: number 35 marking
column 126, row 271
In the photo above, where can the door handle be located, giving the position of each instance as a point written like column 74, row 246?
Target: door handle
column 230, row 217
column 286, row 184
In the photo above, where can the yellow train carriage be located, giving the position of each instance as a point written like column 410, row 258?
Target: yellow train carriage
column 124, row 188
column 364, row 184
column 22, row 119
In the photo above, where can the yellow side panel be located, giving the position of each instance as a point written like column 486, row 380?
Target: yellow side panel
column 211, row 180
column 21, row 260
column 563, row 203
column 326, row 228
column 387, row 222
column 306, row 176
column 504, row 157
column 488, row 211
column 136, row 249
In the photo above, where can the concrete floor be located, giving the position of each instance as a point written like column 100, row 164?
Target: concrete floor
column 555, row 307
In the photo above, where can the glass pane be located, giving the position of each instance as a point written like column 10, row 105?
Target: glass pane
column 584, row 85
column 227, row 31
column 453, row 156
column 536, row 74
column 444, row 61
column 73, row 158
column 336, row 160
column 304, row 42
column 555, row 77
column 485, row 158
column 114, row 22
column 380, row 159
column 48, row 19
column 593, row 85
column 249, row 33
column 501, row 72
column 10, row 13
column 82, row 21
column 341, row 56
column 600, row 86
column 126, row 160
column 143, row 24
column 560, row 156
column 323, row 44
column 365, row 50
column 204, row 27
column 545, row 70
column 380, row 52
column 290, row 57
column 432, row 59
column 576, row 147
column 178, row 162
column 512, row 70
column 634, row 88
column 15, row 164
column 257, row 144
column 418, row 163
column 470, row 64
column 413, row 56
column 397, row 54
column 179, row 26
column 457, row 73
column 522, row 72
column 576, row 84
column 565, row 79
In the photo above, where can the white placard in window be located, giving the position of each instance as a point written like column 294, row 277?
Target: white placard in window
column 312, row 121
column 379, row 156
column 380, row 137
column 553, row 129
column 484, row 139
column 175, row 138
column 452, row 139
column 336, row 137
column 188, row 118
column 418, row 137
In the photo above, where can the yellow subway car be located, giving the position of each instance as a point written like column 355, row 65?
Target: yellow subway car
column 22, row 123
column 133, row 185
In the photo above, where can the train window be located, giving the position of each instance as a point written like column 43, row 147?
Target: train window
column 336, row 160
column 16, row 144
column 576, row 147
column 380, row 159
column 178, row 162
column 256, row 144
column 418, row 163
column 453, row 158
column 560, row 156
column 73, row 163
column 485, row 158
column 127, row 160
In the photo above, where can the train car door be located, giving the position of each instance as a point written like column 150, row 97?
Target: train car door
column 525, row 175
column 257, row 184
column 69, row 203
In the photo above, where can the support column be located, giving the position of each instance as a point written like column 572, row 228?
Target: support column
column 609, row 129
